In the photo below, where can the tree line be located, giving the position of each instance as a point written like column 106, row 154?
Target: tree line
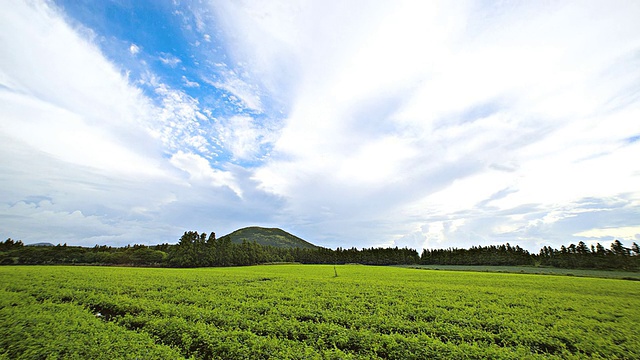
column 479, row 255
column 199, row 250
column 617, row 256
column 203, row 250
column 594, row 257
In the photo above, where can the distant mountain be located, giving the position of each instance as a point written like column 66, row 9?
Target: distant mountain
column 41, row 244
column 269, row 237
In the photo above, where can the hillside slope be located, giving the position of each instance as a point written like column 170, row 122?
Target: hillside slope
column 269, row 237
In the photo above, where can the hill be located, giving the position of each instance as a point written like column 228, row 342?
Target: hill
column 269, row 237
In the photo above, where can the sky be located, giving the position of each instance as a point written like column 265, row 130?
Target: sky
column 426, row 124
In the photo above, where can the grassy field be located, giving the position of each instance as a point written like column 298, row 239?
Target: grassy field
column 540, row 270
column 305, row 312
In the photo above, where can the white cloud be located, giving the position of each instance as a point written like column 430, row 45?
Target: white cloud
column 241, row 136
column 631, row 233
column 179, row 122
column 62, row 102
column 42, row 218
column 47, row 199
column 243, row 93
column 378, row 162
column 44, row 221
column 67, row 136
column 200, row 170
column 188, row 83
column 134, row 49
column 169, row 60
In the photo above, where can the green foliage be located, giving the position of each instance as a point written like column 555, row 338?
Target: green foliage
column 42, row 327
column 598, row 257
column 305, row 312
column 505, row 255
column 10, row 244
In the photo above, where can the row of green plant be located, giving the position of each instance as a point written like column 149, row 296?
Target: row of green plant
column 200, row 250
column 306, row 312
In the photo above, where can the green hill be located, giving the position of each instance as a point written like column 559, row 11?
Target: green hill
column 269, row 237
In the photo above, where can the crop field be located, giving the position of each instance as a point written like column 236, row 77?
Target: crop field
column 305, row 312
column 607, row 274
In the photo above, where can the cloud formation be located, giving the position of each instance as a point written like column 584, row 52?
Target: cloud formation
column 88, row 157
column 422, row 124
column 470, row 123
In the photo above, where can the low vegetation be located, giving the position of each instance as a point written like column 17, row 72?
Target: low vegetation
column 306, row 312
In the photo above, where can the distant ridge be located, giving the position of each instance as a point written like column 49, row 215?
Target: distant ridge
column 269, row 237
column 40, row 244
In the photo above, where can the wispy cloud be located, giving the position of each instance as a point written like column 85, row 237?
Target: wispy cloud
column 134, row 49
column 241, row 136
column 243, row 94
column 188, row 83
column 200, row 170
column 169, row 60
column 626, row 233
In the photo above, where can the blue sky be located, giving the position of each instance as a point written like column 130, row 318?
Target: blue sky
column 349, row 123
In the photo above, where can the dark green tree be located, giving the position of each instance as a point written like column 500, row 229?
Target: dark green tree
column 618, row 249
column 635, row 249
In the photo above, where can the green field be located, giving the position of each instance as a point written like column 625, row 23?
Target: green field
column 305, row 312
column 540, row 270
